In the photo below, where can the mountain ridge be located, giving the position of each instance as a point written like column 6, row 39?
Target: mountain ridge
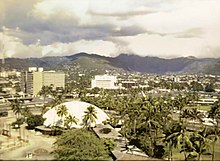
column 125, row 61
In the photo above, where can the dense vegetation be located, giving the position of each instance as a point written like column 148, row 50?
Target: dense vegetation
column 151, row 124
column 80, row 144
column 34, row 120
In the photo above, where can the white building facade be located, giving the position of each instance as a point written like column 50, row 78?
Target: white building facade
column 104, row 81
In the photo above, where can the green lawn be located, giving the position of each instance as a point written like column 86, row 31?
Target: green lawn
column 201, row 107
column 205, row 108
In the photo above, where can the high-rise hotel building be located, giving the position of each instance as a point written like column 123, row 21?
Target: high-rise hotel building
column 34, row 79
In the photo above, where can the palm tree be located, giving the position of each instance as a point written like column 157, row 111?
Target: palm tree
column 45, row 91
column 89, row 117
column 170, row 138
column 62, row 111
column 195, row 98
column 164, row 108
column 26, row 112
column 180, row 103
column 58, row 98
column 69, row 120
column 214, row 113
column 185, row 115
column 196, row 115
column 129, row 109
column 150, row 120
column 16, row 107
column 181, row 138
column 200, row 142
column 214, row 136
column 126, row 130
column 135, row 110
column 192, row 114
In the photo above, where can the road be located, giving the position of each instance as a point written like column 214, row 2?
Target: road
column 35, row 142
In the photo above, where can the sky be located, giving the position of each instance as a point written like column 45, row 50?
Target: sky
column 162, row 28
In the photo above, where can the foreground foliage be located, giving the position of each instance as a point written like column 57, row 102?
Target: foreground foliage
column 79, row 144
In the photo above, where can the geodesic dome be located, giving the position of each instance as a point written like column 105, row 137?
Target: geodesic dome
column 74, row 108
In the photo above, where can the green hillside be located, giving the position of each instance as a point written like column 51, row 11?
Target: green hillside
column 89, row 65
column 96, row 64
column 213, row 68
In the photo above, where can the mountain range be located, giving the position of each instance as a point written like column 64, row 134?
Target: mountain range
column 126, row 62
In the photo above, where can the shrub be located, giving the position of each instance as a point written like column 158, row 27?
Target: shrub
column 109, row 144
column 79, row 144
column 35, row 120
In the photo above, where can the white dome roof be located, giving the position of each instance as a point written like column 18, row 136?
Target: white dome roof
column 74, row 108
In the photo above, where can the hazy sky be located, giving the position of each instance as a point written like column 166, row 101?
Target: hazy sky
column 164, row 28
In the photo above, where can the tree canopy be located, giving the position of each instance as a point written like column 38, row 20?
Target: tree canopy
column 209, row 88
column 35, row 120
column 79, row 144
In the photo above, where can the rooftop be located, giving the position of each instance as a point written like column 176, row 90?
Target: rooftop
column 122, row 151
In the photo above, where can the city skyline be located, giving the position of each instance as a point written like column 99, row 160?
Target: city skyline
column 147, row 28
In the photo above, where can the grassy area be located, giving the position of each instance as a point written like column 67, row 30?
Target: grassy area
column 180, row 156
column 201, row 107
column 205, row 108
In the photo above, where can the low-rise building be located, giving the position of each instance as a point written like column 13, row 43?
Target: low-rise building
column 104, row 81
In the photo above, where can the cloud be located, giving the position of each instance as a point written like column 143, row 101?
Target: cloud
column 211, row 51
column 123, row 15
column 16, row 13
column 105, row 48
column 127, row 31
column 182, row 15
column 191, row 33
column 57, row 25
column 144, row 27
column 14, row 47
column 61, row 35
column 168, row 46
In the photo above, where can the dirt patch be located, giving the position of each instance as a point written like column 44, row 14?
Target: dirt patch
column 40, row 151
